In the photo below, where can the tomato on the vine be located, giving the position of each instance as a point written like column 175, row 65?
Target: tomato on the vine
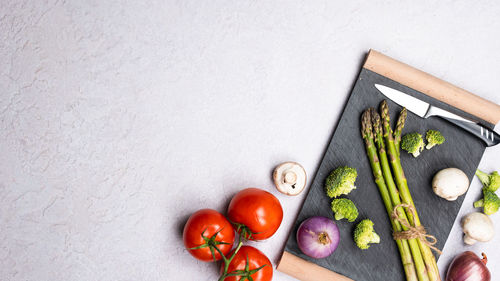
column 206, row 229
column 249, row 261
column 256, row 213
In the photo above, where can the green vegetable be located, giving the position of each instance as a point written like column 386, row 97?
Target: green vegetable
column 413, row 143
column 432, row 272
column 400, row 124
column 489, row 181
column 364, row 234
column 341, row 181
column 433, row 138
column 344, row 209
column 408, row 249
column 490, row 202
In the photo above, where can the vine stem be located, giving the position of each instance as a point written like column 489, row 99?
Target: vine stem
column 227, row 261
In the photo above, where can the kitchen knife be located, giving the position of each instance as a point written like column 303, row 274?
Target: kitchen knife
column 424, row 110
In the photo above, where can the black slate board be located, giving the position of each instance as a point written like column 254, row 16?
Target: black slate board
column 381, row 262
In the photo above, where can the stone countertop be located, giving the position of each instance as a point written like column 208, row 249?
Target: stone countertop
column 118, row 119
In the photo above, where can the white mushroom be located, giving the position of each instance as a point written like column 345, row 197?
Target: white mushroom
column 450, row 183
column 477, row 227
column 290, row 178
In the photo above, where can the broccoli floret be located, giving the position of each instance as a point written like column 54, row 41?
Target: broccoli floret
column 341, row 181
column 364, row 234
column 413, row 143
column 344, row 209
column 489, row 181
column 490, row 202
column 433, row 138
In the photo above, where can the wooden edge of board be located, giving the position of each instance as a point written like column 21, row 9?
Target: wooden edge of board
column 432, row 86
column 307, row 271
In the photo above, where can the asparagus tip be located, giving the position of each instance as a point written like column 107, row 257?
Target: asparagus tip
column 384, row 112
column 401, row 120
column 384, row 108
column 366, row 125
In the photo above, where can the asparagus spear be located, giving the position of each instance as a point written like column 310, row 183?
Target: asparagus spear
column 399, row 128
column 404, row 192
column 394, row 195
column 404, row 250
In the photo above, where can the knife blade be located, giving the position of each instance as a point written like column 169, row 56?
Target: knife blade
column 425, row 110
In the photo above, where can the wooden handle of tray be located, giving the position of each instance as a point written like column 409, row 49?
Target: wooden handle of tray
column 432, row 86
column 307, row 271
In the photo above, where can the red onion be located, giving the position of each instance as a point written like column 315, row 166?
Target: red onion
column 318, row 237
column 468, row 267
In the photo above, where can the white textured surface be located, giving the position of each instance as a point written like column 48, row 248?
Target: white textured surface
column 119, row 119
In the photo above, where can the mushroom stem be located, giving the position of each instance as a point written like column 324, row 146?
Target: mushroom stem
column 290, row 177
column 469, row 240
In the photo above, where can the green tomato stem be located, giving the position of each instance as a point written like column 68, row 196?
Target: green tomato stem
column 227, row 261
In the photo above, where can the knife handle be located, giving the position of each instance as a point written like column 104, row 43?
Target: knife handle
column 490, row 137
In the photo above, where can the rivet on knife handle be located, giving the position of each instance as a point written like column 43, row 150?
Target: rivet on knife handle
column 491, row 138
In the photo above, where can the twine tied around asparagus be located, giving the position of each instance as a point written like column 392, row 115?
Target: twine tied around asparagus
column 418, row 232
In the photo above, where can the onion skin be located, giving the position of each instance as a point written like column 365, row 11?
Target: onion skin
column 468, row 267
column 318, row 237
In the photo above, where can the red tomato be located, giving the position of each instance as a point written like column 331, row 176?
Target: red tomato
column 256, row 259
column 207, row 222
column 258, row 210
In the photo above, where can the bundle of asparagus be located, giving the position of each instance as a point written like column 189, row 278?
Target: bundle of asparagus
column 418, row 261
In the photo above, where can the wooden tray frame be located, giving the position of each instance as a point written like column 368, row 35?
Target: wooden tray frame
column 424, row 83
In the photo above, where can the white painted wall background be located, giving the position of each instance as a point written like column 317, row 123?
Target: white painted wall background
column 118, row 119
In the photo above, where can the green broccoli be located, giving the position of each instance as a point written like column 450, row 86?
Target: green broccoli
column 412, row 143
column 490, row 202
column 433, row 138
column 344, row 209
column 489, row 181
column 364, row 234
column 341, row 181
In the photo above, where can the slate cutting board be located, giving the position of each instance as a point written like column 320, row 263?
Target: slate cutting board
column 382, row 262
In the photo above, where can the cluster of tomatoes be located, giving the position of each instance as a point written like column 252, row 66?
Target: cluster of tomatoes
column 209, row 236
